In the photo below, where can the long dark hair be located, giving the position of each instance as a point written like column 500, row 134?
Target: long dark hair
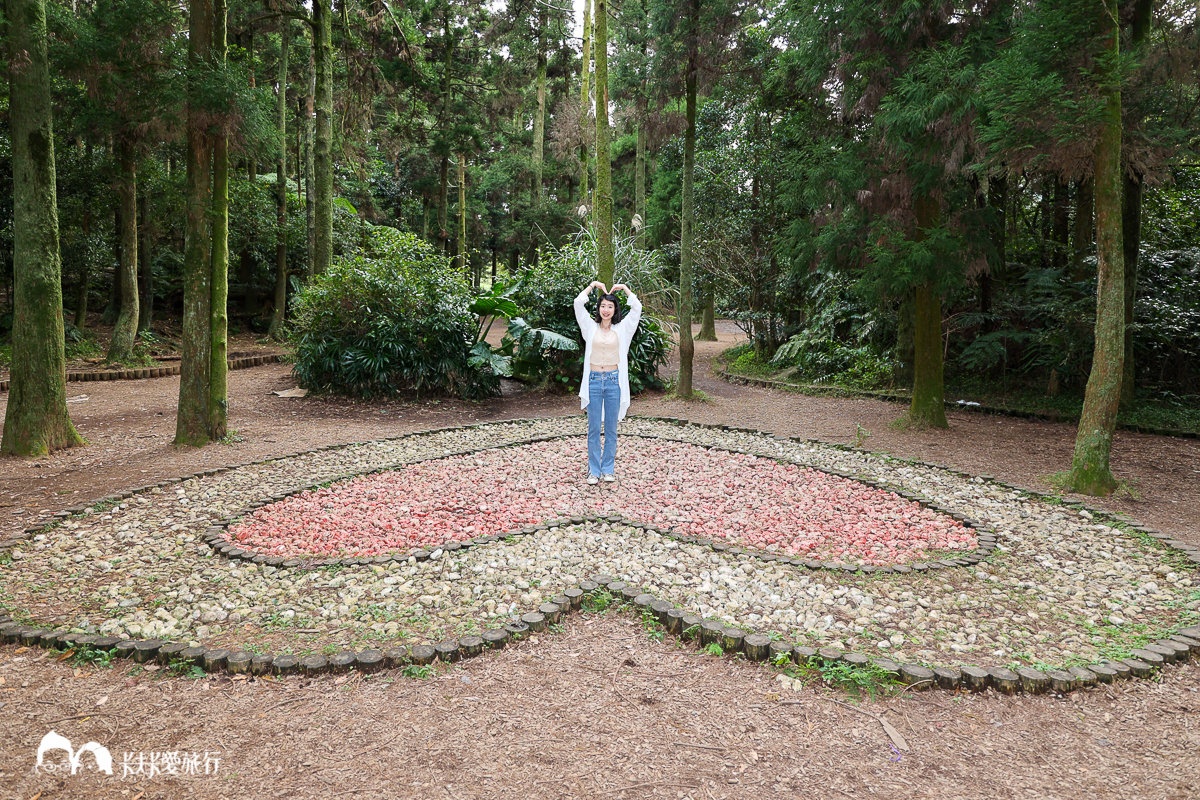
column 616, row 307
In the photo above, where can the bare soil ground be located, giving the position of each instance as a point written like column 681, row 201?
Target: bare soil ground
column 600, row 710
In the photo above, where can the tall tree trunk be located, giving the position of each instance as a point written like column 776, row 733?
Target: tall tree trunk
column 928, row 407
column 997, row 200
column 603, row 218
column 84, row 274
column 585, row 99
column 1090, row 471
column 708, row 319
column 218, row 387
column 310, row 124
column 639, row 186
column 539, row 120
column 279, row 313
column 1131, row 216
column 113, row 307
column 443, row 209
column 145, row 266
column 125, row 330
column 192, row 418
column 462, row 212
column 687, row 348
column 1083, row 231
column 322, row 257
column 1060, row 228
column 443, row 206
column 36, row 420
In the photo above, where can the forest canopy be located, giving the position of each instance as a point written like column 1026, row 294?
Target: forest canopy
column 999, row 197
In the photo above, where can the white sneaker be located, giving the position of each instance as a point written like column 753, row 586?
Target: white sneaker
column 593, row 480
column 608, row 478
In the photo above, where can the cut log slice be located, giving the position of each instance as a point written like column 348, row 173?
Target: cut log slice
column 947, row 677
column 495, row 638
column 1005, row 680
column 239, row 662
column 1033, row 681
column 470, row 646
column 422, row 654
column 756, row 646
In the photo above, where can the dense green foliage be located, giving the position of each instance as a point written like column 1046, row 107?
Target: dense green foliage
column 546, row 297
column 393, row 316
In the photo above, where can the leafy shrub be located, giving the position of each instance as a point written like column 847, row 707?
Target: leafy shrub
column 838, row 341
column 392, row 316
column 546, row 296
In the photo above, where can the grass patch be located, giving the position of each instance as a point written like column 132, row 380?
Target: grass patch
column 419, row 671
column 598, row 601
column 854, row 679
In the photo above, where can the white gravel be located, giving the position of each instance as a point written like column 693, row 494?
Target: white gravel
column 1062, row 588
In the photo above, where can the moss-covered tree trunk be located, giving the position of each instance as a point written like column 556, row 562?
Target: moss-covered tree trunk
column 603, row 217
column 708, row 320
column 1131, row 216
column 687, row 348
column 462, row 212
column 585, row 99
column 36, row 420
column 279, row 313
column 120, row 349
column 1090, row 471
column 218, row 387
column 539, row 119
column 308, row 130
column 639, row 186
column 322, row 256
column 192, row 418
column 928, row 407
column 145, row 266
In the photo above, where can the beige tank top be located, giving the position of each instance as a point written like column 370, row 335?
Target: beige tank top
column 605, row 348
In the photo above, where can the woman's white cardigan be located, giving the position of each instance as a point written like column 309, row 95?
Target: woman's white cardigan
column 625, row 330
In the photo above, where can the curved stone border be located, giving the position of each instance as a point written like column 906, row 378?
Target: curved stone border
column 734, row 641
column 215, row 535
column 239, row 362
column 893, row 397
column 1143, row 662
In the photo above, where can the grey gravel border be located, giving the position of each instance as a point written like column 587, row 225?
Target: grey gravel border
column 1143, row 662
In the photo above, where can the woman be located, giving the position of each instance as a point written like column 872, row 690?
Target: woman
column 605, row 388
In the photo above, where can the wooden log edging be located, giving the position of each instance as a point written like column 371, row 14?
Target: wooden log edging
column 704, row 633
column 676, row 621
column 896, row 397
column 161, row 371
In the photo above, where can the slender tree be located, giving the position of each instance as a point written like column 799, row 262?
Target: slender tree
column 687, row 348
column 602, row 218
column 279, row 313
column 218, row 326
column 322, row 28
column 36, row 420
column 585, row 98
column 126, row 327
column 1090, row 470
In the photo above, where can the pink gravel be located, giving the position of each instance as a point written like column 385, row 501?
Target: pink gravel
column 742, row 499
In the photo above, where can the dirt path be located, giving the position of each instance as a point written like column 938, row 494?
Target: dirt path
column 600, row 710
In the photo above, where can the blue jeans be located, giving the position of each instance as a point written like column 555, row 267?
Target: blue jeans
column 604, row 398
